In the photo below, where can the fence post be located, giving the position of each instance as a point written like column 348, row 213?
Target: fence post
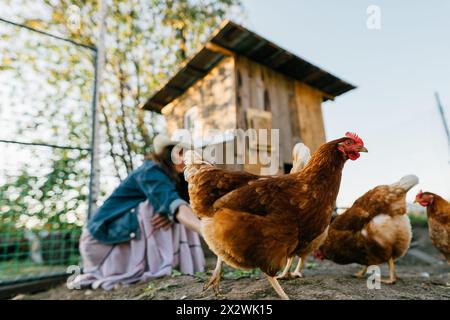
column 94, row 181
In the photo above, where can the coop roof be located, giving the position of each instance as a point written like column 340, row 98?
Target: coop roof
column 239, row 40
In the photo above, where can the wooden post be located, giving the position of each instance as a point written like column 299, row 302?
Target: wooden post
column 94, row 182
column 444, row 120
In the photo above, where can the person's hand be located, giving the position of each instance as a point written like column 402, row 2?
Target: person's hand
column 160, row 221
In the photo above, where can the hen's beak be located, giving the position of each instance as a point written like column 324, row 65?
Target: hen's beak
column 362, row 149
column 416, row 201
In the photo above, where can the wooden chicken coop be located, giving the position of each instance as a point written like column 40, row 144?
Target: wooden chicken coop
column 241, row 80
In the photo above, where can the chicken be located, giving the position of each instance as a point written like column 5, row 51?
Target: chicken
column 376, row 229
column 300, row 157
column 438, row 212
column 259, row 222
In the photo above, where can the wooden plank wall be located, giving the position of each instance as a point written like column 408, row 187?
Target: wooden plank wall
column 296, row 107
column 310, row 119
column 238, row 84
column 214, row 96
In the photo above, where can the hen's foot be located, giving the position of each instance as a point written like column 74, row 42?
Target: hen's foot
column 289, row 275
column 213, row 282
column 389, row 281
column 274, row 282
column 361, row 274
column 392, row 275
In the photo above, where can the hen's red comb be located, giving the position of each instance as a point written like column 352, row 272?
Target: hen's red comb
column 355, row 137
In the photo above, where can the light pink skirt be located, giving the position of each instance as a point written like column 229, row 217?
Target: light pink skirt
column 154, row 254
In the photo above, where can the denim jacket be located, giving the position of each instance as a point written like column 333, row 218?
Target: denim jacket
column 116, row 220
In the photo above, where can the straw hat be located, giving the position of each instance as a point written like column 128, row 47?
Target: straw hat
column 161, row 141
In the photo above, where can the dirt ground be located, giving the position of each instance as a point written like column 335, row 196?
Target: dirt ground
column 423, row 275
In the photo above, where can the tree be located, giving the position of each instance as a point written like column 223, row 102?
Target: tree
column 145, row 43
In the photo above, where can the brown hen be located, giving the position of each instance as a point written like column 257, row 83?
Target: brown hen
column 375, row 230
column 438, row 212
column 259, row 222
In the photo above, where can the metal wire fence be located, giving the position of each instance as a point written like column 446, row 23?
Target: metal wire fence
column 44, row 190
column 25, row 256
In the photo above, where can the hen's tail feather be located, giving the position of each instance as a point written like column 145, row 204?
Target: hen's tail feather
column 300, row 157
column 407, row 182
column 193, row 162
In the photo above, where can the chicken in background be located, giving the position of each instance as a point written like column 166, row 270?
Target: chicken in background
column 375, row 230
column 438, row 212
column 300, row 157
column 259, row 222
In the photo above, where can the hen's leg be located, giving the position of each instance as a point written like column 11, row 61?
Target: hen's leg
column 214, row 281
column 361, row 273
column 287, row 270
column 298, row 269
column 392, row 277
column 274, row 282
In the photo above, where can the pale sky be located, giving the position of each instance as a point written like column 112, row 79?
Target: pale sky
column 397, row 69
